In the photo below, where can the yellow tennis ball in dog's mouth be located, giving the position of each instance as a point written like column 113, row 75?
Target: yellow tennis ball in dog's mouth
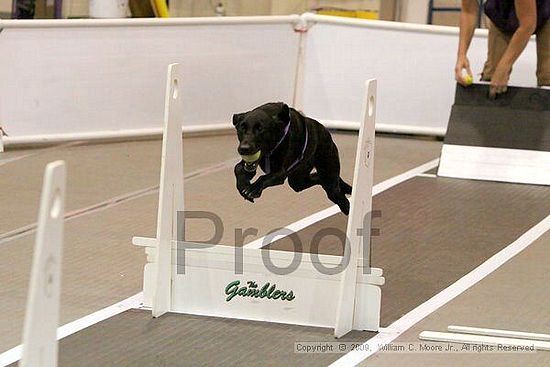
column 468, row 79
column 252, row 158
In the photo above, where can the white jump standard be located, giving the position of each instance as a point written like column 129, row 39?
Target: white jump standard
column 207, row 283
column 42, row 315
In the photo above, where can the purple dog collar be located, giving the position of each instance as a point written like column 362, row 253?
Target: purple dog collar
column 287, row 129
column 298, row 160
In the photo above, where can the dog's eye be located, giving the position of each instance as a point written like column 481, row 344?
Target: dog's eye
column 259, row 128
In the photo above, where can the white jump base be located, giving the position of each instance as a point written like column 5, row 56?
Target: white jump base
column 209, row 270
column 495, row 164
column 204, row 283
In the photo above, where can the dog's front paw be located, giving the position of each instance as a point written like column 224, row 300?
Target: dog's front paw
column 243, row 187
column 243, row 192
column 253, row 191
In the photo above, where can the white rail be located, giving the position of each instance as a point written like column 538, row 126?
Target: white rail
column 147, row 22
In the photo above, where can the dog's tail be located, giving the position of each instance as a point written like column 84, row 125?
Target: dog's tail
column 345, row 187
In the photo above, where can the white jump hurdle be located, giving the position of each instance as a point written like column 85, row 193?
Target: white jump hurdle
column 42, row 318
column 209, row 284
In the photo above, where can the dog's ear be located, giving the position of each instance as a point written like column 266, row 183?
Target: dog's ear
column 284, row 113
column 238, row 118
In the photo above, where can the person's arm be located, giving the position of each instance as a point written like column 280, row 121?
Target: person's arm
column 467, row 24
column 526, row 11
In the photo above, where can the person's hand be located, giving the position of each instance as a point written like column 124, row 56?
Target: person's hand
column 462, row 63
column 499, row 81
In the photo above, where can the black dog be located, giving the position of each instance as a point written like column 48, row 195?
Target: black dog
column 286, row 144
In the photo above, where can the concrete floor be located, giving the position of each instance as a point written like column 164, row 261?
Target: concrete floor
column 514, row 297
column 112, row 196
column 101, row 267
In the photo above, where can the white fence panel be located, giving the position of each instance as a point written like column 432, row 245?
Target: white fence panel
column 86, row 77
column 413, row 65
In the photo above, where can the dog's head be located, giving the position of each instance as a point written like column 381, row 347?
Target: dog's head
column 262, row 128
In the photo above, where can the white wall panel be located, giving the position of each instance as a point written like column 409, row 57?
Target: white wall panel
column 88, row 79
column 62, row 80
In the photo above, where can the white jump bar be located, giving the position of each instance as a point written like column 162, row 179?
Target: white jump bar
column 482, row 339
column 498, row 332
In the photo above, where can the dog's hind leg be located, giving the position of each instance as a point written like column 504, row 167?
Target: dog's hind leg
column 299, row 182
column 337, row 196
column 346, row 188
column 327, row 164
column 329, row 175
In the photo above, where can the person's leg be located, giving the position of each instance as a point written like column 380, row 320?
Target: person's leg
column 496, row 45
column 543, row 55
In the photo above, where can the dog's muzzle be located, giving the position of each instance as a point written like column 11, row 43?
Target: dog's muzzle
column 251, row 166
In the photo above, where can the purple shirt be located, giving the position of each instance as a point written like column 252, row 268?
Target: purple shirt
column 503, row 14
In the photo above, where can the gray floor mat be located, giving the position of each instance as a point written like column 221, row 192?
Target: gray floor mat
column 433, row 231
column 97, row 173
column 100, row 265
column 186, row 340
column 513, row 297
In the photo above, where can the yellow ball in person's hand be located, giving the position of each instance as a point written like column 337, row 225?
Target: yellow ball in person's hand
column 252, row 157
column 468, row 79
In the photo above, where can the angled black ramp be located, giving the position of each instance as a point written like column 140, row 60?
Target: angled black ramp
column 504, row 139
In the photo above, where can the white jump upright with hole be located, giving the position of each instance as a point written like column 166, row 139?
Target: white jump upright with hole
column 42, row 318
column 224, row 281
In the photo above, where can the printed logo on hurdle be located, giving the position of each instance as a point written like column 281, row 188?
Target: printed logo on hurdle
column 251, row 289
column 209, row 285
